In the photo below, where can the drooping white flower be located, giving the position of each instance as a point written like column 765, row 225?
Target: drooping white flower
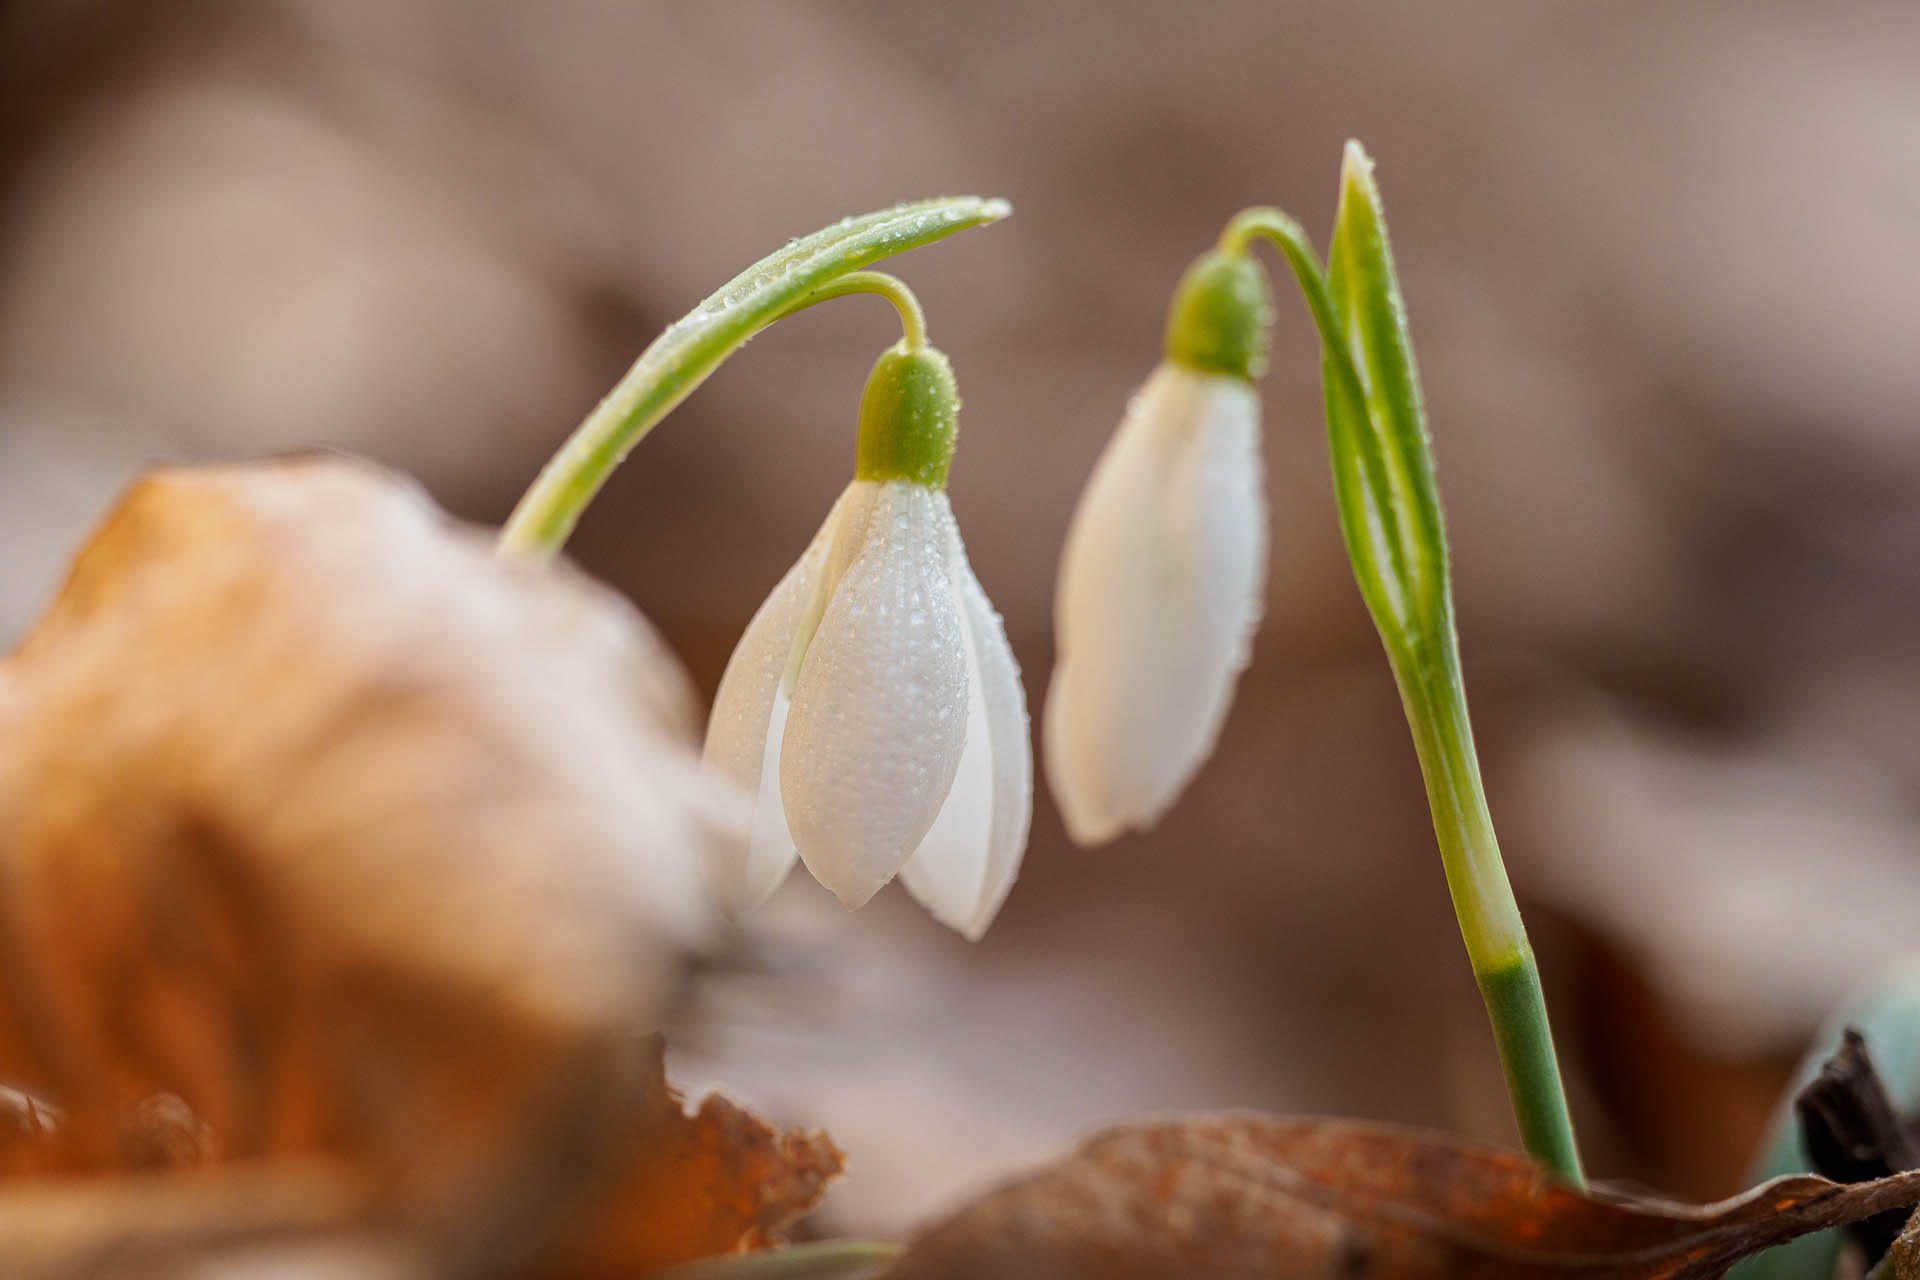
column 873, row 704
column 1161, row 580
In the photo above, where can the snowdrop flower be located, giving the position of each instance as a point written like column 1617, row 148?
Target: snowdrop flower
column 873, row 704
column 1164, row 568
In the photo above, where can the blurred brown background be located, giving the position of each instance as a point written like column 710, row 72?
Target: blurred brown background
column 1664, row 277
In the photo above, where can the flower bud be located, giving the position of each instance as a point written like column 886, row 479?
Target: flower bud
column 1220, row 315
column 909, row 418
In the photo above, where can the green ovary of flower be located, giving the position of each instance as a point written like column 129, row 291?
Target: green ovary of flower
column 1220, row 313
column 909, row 418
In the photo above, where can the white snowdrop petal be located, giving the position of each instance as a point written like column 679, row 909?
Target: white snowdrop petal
column 968, row 862
column 879, row 707
column 770, row 849
column 744, row 730
column 947, row 874
column 1100, row 604
column 1161, row 584
column 1006, row 700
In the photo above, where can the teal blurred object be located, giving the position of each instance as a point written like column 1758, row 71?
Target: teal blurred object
column 1887, row 1013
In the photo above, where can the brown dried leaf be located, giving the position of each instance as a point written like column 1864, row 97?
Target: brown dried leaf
column 1905, row 1253
column 1219, row 1198
column 708, row 1183
column 320, row 818
column 672, row 1187
column 326, row 834
column 151, row 1227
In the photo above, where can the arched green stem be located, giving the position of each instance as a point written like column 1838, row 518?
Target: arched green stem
column 1275, row 226
column 585, row 461
column 1391, row 518
column 680, row 359
column 913, row 321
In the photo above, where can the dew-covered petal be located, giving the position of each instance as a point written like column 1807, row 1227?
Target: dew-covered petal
column 947, row 874
column 964, row 878
column 1161, row 583
column 879, row 707
column 1012, row 752
column 744, row 732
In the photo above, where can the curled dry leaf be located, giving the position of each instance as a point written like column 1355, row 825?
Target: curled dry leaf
column 1905, row 1253
column 1249, row 1196
column 326, row 834
column 707, row 1183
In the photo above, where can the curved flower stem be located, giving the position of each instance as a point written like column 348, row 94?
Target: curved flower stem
column 680, row 359
column 575, row 475
column 1390, row 517
column 913, row 321
column 1338, row 365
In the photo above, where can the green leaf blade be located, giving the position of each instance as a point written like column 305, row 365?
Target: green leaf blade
column 1358, row 474
column 1371, row 313
column 1390, row 515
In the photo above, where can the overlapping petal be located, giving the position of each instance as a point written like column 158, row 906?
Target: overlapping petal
column 879, row 716
column 1161, row 583
column 968, row 862
column 749, row 718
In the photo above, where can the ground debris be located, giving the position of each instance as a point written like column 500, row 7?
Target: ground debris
column 344, row 871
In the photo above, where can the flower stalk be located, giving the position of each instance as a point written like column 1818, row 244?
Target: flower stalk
column 874, row 707
column 913, row 320
column 680, row 359
column 1391, row 519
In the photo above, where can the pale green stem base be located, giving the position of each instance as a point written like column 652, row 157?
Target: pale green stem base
column 1490, row 925
column 1518, row 1011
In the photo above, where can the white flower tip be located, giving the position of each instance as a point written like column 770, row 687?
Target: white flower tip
column 976, row 928
column 723, row 870
column 1093, row 809
column 737, row 880
column 854, row 896
column 1355, row 164
column 1089, row 819
column 1090, row 827
column 967, row 914
column 729, row 898
column 971, row 923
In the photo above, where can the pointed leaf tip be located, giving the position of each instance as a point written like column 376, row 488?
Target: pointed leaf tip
column 1356, row 166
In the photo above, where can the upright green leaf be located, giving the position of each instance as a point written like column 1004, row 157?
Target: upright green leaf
column 1390, row 515
column 1404, row 533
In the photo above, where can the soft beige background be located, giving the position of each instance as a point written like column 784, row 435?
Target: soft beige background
column 1662, row 269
